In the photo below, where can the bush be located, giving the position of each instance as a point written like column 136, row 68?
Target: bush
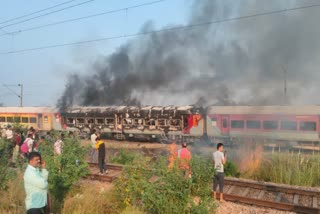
column 6, row 173
column 156, row 189
column 231, row 169
column 124, row 157
column 65, row 169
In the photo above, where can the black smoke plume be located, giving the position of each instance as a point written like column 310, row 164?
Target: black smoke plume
column 241, row 62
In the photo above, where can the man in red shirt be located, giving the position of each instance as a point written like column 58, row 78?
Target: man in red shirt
column 184, row 157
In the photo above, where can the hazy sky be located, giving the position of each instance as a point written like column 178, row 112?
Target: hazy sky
column 240, row 61
column 43, row 73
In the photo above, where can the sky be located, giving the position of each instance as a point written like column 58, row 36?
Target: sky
column 239, row 62
column 43, row 73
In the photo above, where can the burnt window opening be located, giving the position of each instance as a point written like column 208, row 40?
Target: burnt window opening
column 80, row 120
column 288, row 125
column 99, row 121
column 10, row 119
column 90, row 121
column 109, row 121
column 308, row 126
column 174, row 122
column 161, row 122
column 237, row 124
column 151, row 122
column 253, row 124
column 270, row 125
column 33, row 120
column 2, row 119
column 45, row 119
column 70, row 120
column 127, row 121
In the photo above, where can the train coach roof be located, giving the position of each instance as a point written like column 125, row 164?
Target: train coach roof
column 27, row 110
column 86, row 109
column 297, row 110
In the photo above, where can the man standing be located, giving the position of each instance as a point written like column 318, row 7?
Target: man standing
column 93, row 138
column 184, row 157
column 101, row 155
column 36, row 185
column 219, row 160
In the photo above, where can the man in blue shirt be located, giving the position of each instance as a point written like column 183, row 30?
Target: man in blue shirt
column 36, row 185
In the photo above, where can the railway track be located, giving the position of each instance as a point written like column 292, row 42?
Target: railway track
column 114, row 171
column 261, row 194
column 282, row 197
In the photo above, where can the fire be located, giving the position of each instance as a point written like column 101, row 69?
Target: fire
column 251, row 157
column 172, row 157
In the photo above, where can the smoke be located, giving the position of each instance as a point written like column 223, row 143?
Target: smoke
column 242, row 62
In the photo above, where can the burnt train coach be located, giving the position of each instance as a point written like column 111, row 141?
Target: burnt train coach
column 272, row 123
column 132, row 122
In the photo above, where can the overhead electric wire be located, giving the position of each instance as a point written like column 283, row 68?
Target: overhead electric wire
column 35, row 12
column 12, row 91
column 186, row 27
column 45, row 14
column 83, row 17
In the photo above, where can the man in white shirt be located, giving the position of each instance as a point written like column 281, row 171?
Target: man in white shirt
column 219, row 160
column 93, row 138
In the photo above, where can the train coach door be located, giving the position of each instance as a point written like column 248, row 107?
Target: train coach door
column 40, row 124
column 225, row 125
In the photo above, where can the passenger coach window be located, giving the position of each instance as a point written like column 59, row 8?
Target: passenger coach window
column 253, row 124
column 2, row 119
column 17, row 119
column 288, row 125
column 308, row 126
column 45, row 119
column 33, row 120
column 9, row 119
column 270, row 124
column 237, row 124
column 24, row 120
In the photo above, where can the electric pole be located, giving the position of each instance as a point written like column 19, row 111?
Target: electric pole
column 21, row 94
column 284, row 85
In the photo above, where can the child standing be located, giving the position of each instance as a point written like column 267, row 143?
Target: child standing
column 101, row 155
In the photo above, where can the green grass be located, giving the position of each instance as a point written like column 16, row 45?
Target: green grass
column 289, row 168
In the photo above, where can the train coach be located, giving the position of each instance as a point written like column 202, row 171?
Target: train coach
column 271, row 123
column 132, row 122
column 40, row 118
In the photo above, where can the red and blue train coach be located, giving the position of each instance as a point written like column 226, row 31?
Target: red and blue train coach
column 273, row 123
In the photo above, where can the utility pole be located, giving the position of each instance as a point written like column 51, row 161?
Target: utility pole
column 21, row 95
column 284, row 85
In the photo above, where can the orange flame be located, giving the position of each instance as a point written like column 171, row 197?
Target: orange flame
column 251, row 158
column 172, row 157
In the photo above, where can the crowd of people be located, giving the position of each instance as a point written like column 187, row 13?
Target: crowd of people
column 29, row 149
column 22, row 143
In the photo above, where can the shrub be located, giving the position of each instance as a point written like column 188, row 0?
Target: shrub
column 6, row 173
column 156, row 189
column 124, row 157
column 231, row 169
column 65, row 169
